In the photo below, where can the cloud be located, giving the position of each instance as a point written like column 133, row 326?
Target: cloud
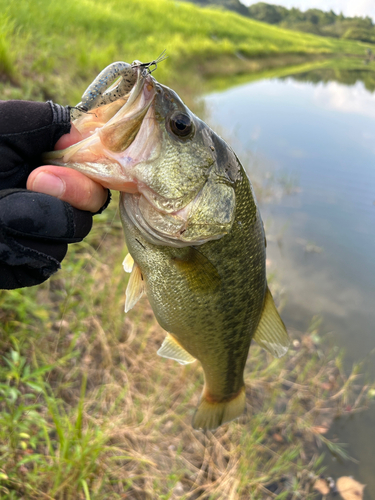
column 355, row 99
column 347, row 7
column 255, row 133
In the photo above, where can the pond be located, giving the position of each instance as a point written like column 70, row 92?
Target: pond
column 317, row 141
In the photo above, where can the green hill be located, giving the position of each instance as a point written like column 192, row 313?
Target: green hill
column 53, row 49
column 234, row 5
column 315, row 21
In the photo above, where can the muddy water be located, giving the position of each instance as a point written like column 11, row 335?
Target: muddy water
column 318, row 141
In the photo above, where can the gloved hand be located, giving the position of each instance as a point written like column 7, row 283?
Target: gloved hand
column 36, row 228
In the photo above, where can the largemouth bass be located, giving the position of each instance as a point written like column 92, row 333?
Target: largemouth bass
column 194, row 234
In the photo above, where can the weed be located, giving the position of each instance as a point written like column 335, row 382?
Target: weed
column 73, row 41
column 87, row 409
column 108, row 418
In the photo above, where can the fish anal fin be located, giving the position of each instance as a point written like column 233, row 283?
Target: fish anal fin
column 171, row 349
column 271, row 333
column 128, row 263
column 211, row 414
column 135, row 288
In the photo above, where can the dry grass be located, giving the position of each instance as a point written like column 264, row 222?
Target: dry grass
column 87, row 409
column 112, row 419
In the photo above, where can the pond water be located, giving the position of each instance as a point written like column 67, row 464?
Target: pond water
column 319, row 141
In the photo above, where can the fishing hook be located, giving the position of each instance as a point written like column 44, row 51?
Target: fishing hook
column 155, row 62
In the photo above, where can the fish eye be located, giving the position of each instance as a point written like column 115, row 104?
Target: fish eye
column 181, row 124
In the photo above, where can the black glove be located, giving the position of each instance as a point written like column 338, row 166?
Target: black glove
column 35, row 228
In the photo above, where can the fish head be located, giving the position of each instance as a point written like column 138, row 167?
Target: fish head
column 176, row 176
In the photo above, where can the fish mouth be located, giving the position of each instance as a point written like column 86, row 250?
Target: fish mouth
column 123, row 148
column 114, row 138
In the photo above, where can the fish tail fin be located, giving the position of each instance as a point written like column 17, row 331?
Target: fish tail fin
column 211, row 414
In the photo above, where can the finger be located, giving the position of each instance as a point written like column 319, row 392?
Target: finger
column 67, row 140
column 68, row 185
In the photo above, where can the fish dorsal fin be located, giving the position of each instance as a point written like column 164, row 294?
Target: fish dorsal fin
column 271, row 333
column 128, row 263
column 135, row 288
column 171, row 349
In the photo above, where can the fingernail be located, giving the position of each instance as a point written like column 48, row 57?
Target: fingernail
column 48, row 184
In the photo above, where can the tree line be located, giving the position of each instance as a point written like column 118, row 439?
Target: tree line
column 314, row 21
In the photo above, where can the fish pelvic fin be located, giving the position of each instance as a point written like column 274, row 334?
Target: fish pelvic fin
column 271, row 333
column 171, row 349
column 211, row 414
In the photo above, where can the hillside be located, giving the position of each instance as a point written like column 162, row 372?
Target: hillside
column 315, row 21
column 234, row 5
column 53, row 49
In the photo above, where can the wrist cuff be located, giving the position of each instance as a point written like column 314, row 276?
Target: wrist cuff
column 61, row 114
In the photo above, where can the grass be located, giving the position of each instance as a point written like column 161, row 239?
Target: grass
column 87, row 409
column 54, row 50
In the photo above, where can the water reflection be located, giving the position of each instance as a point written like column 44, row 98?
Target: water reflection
column 354, row 99
column 348, row 77
column 322, row 238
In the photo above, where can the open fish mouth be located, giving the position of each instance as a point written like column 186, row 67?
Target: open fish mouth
column 150, row 147
column 114, row 138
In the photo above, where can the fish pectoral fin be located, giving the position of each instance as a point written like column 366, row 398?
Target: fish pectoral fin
column 135, row 288
column 171, row 349
column 271, row 333
column 128, row 263
column 201, row 275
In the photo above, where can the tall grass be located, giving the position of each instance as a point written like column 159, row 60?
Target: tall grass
column 58, row 47
column 7, row 55
column 87, row 409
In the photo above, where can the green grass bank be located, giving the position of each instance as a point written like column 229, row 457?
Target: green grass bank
column 54, row 49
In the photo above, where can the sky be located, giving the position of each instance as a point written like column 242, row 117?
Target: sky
column 347, row 7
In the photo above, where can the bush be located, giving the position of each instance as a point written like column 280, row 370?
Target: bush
column 364, row 35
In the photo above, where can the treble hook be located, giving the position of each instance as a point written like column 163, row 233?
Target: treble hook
column 155, row 62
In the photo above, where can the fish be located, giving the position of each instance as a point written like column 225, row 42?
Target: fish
column 194, row 234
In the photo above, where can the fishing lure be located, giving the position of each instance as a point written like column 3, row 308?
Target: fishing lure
column 101, row 92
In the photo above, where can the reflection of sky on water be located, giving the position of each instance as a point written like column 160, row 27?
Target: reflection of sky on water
column 326, row 142
column 355, row 99
column 323, row 135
